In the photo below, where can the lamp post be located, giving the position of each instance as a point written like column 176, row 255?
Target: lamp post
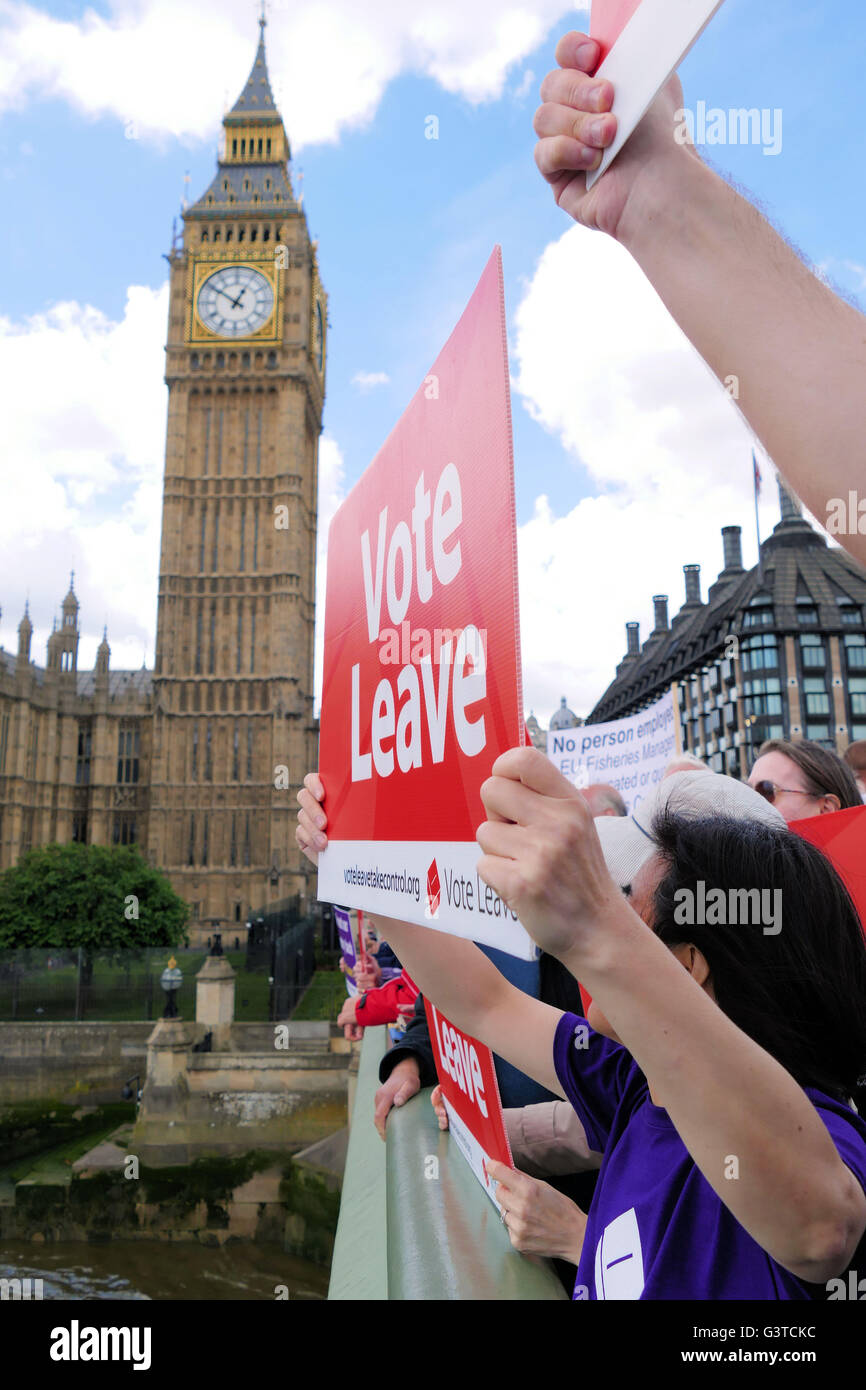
column 217, row 947
column 171, row 980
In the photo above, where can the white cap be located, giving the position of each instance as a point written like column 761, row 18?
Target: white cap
column 627, row 841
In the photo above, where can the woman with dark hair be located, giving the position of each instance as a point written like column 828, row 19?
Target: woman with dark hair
column 716, row 1064
column 803, row 779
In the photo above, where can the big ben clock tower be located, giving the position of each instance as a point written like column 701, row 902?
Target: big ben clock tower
column 233, row 687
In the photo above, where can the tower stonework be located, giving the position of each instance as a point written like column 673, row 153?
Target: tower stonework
column 233, row 730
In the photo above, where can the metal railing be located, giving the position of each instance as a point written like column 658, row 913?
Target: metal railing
column 404, row 1234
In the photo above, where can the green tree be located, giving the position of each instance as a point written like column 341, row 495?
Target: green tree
column 97, row 897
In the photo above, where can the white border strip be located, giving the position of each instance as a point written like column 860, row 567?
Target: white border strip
column 651, row 46
column 390, row 877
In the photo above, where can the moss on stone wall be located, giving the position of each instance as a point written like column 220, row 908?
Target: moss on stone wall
column 208, row 1180
column 29, row 1128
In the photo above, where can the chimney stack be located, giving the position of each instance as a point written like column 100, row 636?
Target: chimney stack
column 733, row 548
column 693, row 583
column 660, row 602
column 632, row 634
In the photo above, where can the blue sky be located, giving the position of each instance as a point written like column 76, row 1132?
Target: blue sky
column 404, row 226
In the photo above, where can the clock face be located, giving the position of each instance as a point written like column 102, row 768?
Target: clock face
column 235, row 301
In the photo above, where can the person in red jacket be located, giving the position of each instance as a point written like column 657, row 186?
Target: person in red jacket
column 389, row 1003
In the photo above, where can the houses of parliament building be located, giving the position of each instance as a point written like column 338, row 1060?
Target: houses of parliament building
column 198, row 761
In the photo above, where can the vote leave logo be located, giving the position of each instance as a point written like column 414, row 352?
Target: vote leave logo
column 434, row 892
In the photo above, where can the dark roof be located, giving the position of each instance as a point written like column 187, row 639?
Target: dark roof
column 256, row 175
column 796, row 561
column 256, row 99
column 119, row 683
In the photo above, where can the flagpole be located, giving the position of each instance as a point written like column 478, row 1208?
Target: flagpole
column 756, row 484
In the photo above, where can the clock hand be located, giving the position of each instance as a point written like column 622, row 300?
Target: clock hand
column 233, row 302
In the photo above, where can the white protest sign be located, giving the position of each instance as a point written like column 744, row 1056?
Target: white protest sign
column 629, row 754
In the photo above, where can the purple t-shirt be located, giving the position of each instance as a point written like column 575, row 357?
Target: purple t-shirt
column 656, row 1229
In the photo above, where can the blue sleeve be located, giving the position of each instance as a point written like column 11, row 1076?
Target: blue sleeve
column 593, row 1072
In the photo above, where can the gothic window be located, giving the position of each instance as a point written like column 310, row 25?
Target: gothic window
column 247, row 842
column 260, row 146
column 220, row 413
column 128, row 749
column 82, row 765
column 255, row 540
column 202, row 537
column 190, row 852
column 249, row 750
column 206, row 434
column 33, row 750
column 259, row 442
column 243, row 531
column 236, row 753
column 254, row 231
column 253, row 640
column 79, row 828
column 212, row 655
column 216, row 536
column 193, row 770
column 204, row 841
column 238, row 655
column 208, row 754
column 268, row 146
column 234, row 149
column 123, row 829
column 233, row 849
column 198, row 634
column 4, row 739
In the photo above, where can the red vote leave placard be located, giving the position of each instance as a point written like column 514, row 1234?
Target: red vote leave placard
column 841, row 835
column 642, row 43
column 471, row 1095
column 421, row 681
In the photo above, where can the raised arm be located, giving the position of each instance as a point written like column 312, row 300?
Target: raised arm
column 725, row 1094
column 454, row 974
column 737, row 289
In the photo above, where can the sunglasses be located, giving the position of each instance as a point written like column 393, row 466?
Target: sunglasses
column 768, row 790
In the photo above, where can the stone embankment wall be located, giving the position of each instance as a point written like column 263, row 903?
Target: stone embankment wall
column 59, row 1059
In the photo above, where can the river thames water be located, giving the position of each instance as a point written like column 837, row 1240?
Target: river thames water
column 136, row 1269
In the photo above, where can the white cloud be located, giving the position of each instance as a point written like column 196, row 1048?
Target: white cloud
column 84, row 437
column 524, row 86
column 167, row 66
column 602, row 365
column 368, row 381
